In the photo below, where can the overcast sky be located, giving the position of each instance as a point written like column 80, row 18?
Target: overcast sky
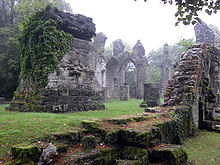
column 150, row 22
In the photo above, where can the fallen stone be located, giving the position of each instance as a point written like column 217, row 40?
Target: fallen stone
column 48, row 155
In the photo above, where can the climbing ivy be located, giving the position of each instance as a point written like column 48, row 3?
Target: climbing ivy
column 43, row 43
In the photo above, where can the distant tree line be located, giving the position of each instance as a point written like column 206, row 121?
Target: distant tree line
column 12, row 14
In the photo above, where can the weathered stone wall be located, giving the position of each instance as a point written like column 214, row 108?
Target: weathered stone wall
column 116, row 65
column 151, row 96
column 204, row 34
column 72, row 87
column 98, row 62
column 124, row 92
column 194, row 82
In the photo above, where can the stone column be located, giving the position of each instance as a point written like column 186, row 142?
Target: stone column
column 124, row 92
column 165, row 70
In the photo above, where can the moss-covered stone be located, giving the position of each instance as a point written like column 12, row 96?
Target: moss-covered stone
column 112, row 136
column 134, row 153
column 93, row 127
column 73, row 137
column 128, row 162
column 26, row 154
column 88, row 143
column 168, row 154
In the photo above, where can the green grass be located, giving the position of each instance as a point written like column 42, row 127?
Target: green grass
column 20, row 127
column 204, row 149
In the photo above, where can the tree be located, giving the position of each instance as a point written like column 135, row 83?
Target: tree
column 187, row 10
column 12, row 13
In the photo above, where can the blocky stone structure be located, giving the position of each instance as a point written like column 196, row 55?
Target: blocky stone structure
column 204, row 34
column 72, row 87
column 2, row 100
column 115, row 68
column 124, row 92
column 194, row 82
column 165, row 70
column 151, row 96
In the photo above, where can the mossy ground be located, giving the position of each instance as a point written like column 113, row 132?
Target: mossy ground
column 204, row 149
column 17, row 127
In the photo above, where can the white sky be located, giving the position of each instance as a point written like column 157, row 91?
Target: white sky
column 150, row 22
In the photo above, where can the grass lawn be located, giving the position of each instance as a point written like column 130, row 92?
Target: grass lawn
column 17, row 127
column 204, row 149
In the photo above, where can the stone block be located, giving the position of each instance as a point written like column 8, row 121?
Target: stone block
column 2, row 100
column 124, row 93
column 25, row 153
column 169, row 154
column 88, row 143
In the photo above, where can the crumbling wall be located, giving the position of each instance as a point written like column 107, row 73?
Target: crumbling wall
column 193, row 82
column 71, row 87
column 204, row 34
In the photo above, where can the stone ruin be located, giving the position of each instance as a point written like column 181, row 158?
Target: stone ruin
column 165, row 70
column 116, row 65
column 110, row 71
column 204, row 34
column 124, row 92
column 195, row 82
column 73, row 89
column 2, row 100
column 151, row 96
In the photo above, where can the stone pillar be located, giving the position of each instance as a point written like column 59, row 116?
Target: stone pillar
column 2, row 100
column 204, row 34
column 141, row 66
column 151, row 96
column 165, row 70
column 124, row 92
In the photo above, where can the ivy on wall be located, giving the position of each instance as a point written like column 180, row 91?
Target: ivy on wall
column 43, row 44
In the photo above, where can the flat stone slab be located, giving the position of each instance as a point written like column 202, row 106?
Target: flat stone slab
column 2, row 100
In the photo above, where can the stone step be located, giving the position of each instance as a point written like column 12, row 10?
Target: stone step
column 170, row 154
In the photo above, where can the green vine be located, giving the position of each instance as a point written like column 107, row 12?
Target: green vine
column 43, row 44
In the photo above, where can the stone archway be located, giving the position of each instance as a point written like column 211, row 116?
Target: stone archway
column 115, row 68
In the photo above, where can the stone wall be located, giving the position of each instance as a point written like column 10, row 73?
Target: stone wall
column 72, row 87
column 204, row 34
column 194, row 82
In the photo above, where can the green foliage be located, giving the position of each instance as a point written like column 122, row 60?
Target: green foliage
column 187, row 10
column 9, row 61
column 42, row 44
column 185, row 44
column 24, row 127
column 131, row 74
column 155, row 59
